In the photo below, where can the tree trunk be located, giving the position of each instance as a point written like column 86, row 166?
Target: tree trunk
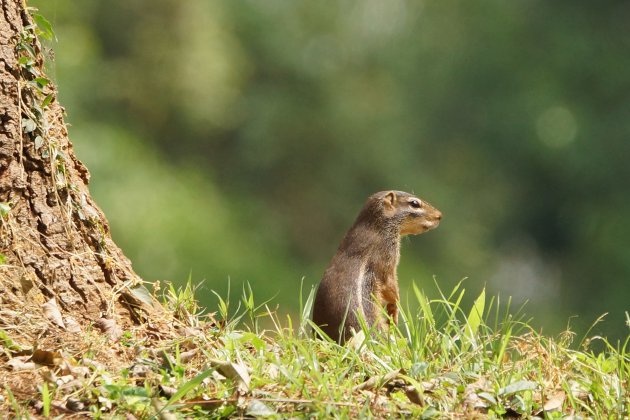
column 55, row 246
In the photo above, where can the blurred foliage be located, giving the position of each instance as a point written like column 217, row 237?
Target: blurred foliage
column 239, row 139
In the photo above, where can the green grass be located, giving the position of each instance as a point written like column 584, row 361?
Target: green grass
column 442, row 361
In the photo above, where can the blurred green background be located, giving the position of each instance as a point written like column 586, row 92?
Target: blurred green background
column 238, row 140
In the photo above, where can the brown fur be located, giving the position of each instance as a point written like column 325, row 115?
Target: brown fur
column 361, row 277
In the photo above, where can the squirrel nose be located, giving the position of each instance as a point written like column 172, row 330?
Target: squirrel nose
column 438, row 216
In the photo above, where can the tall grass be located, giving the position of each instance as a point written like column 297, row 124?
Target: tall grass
column 443, row 360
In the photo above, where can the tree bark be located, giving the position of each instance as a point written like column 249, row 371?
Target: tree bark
column 55, row 243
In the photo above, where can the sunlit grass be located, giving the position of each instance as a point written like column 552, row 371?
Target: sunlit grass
column 443, row 360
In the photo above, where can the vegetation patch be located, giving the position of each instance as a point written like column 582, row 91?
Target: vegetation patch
column 442, row 361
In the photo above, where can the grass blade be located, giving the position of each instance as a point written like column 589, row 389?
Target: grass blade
column 474, row 320
column 187, row 387
column 424, row 305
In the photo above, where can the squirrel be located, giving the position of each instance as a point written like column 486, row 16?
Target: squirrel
column 361, row 278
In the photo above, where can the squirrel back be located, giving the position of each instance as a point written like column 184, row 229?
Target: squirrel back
column 361, row 278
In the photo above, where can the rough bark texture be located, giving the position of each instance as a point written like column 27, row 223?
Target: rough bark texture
column 54, row 240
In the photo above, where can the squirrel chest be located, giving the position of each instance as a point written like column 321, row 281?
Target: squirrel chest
column 361, row 280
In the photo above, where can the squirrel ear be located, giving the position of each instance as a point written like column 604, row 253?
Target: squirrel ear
column 390, row 199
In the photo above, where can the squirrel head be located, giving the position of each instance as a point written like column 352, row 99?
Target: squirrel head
column 408, row 213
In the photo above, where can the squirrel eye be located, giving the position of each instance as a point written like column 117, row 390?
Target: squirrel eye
column 415, row 204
